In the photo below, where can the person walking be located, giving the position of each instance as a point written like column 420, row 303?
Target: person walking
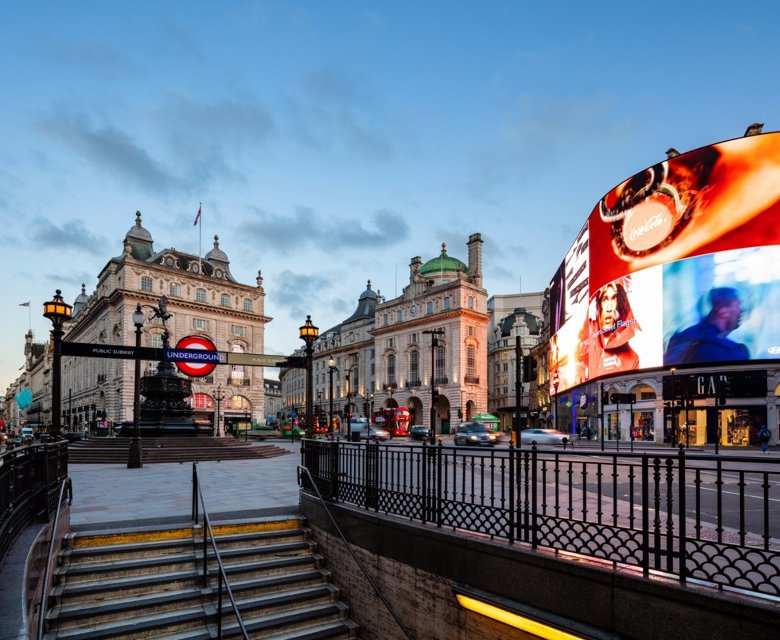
column 763, row 437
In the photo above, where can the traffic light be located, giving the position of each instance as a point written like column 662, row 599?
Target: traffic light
column 460, row 414
column 533, row 367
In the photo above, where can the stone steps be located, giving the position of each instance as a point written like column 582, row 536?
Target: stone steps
column 148, row 583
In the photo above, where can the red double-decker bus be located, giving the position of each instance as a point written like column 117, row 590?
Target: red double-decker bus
column 394, row 419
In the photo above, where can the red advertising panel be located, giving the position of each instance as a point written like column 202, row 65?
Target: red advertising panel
column 681, row 264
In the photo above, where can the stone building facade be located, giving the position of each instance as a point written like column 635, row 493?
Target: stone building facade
column 204, row 299
column 386, row 350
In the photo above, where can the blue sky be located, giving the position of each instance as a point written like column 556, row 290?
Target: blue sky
column 330, row 142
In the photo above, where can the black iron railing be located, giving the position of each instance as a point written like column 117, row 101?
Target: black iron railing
column 208, row 538
column 695, row 517
column 30, row 480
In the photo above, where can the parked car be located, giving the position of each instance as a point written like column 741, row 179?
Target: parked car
column 474, row 433
column 543, row 436
column 420, row 432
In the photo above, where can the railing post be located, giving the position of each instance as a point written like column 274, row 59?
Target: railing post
column 424, row 483
column 439, row 483
column 334, row 470
column 194, row 493
column 512, row 509
column 533, row 523
column 645, row 515
column 681, row 510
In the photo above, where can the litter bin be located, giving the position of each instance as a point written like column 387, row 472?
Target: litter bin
column 354, row 436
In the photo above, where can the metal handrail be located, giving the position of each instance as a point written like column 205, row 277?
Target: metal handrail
column 197, row 493
column 47, row 576
column 354, row 556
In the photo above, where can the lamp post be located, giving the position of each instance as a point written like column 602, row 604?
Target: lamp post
column 349, row 405
column 58, row 311
column 434, row 333
column 556, row 381
column 134, row 454
column 318, row 410
column 219, row 396
column 308, row 333
column 331, row 368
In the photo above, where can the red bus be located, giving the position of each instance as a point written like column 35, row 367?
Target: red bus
column 394, row 419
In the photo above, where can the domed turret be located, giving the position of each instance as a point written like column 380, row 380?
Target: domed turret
column 140, row 240
column 442, row 264
column 81, row 300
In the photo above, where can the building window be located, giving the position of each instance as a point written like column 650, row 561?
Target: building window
column 175, row 290
column 155, row 341
column 387, row 318
column 414, row 368
column 413, row 338
column 146, row 283
column 471, row 361
column 429, row 308
column 200, row 324
column 238, row 330
column 440, row 362
column 391, row 369
column 399, row 316
column 446, row 303
column 391, row 343
column 200, row 295
column 470, row 302
column 224, row 300
column 247, row 304
column 471, row 331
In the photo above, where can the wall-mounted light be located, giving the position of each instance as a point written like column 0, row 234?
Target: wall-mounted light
column 525, row 618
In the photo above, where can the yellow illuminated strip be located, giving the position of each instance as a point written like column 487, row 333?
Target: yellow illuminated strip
column 513, row 619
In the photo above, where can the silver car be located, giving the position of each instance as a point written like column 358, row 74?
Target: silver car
column 474, row 433
column 543, row 436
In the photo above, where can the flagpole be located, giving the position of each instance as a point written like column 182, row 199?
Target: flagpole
column 200, row 238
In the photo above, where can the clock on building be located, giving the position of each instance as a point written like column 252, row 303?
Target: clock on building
column 413, row 309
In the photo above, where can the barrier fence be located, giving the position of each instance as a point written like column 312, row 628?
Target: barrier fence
column 697, row 517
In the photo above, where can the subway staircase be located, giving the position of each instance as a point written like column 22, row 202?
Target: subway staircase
column 155, row 450
column 147, row 583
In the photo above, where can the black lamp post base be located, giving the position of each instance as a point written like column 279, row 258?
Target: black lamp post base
column 135, row 455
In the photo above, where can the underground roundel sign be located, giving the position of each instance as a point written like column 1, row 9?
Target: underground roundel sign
column 191, row 366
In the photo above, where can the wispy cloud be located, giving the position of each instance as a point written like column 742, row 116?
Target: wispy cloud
column 294, row 292
column 283, row 234
column 72, row 234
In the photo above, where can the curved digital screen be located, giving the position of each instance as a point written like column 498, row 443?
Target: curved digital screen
column 678, row 265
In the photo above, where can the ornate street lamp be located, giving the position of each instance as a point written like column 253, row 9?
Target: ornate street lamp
column 219, row 396
column 135, row 454
column 58, row 311
column 331, row 368
column 556, row 381
column 308, row 333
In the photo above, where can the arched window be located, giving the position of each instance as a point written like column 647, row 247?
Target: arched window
column 224, row 300
column 391, row 369
column 200, row 295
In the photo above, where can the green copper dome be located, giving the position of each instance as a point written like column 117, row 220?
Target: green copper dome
column 442, row 264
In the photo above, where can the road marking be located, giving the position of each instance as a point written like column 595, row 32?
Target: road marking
column 747, row 495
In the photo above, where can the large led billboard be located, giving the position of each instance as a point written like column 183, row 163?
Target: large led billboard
column 676, row 265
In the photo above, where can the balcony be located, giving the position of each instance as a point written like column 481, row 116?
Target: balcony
column 471, row 379
column 414, row 383
column 441, row 380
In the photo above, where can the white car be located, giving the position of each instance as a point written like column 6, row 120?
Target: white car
column 543, row 436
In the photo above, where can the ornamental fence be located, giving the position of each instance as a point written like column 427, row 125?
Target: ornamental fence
column 30, row 479
column 700, row 518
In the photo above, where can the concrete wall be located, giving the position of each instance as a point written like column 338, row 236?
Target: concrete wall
column 415, row 568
